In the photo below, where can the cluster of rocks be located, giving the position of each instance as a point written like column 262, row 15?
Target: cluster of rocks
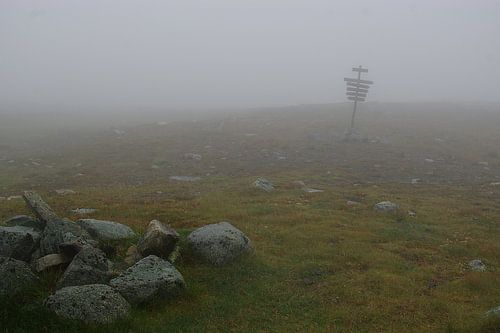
column 91, row 289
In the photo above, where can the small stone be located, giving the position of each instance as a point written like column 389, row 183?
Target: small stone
column 385, row 206
column 95, row 303
column 25, row 221
column 493, row 312
column 477, row 265
column 264, row 184
column 311, row 190
column 184, row 178
column 352, row 203
column 412, row 213
column 51, row 260
column 192, row 156
column 84, row 211
column 65, row 192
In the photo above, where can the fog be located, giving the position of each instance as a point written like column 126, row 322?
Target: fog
column 126, row 55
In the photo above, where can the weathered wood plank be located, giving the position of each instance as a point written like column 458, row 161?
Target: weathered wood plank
column 39, row 207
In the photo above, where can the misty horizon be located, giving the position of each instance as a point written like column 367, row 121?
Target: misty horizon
column 109, row 55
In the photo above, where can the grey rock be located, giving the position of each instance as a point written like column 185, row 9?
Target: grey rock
column 58, row 232
column 15, row 276
column 106, row 230
column 219, row 243
column 385, row 207
column 25, row 221
column 311, row 190
column 18, row 242
column 159, row 240
column 477, row 265
column 493, row 312
column 184, row 178
column 65, row 192
column 83, row 211
column 89, row 266
column 264, row 184
column 94, row 303
column 149, row 278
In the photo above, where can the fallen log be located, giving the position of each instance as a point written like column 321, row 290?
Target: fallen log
column 39, row 207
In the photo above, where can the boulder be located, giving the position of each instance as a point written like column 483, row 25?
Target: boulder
column 385, row 207
column 219, row 243
column 149, row 278
column 25, row 221
column 264, row 184
column 58, row 232
column 477, row 265
column 15, row 276
column 89, row 266
column 18, row 242
column 159, row 240
column 94, row 303
column 106, row 230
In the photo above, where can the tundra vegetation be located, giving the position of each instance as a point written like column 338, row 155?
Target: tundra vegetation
column 402, row 234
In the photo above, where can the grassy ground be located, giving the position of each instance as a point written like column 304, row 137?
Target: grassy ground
column 318, row 264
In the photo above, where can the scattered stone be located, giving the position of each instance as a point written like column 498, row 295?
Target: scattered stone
column 154, row 166
column 159, row 240
column 219, row 243
column 149, row 278
column 184, row 178
column 51, row 260
column 84, row 211
column 495, row 184
column 264, row 184
column 493, row 312
column 106, row 230
column 18, row 242
column 14, row 197
column 65, row 192
column 415, row 181
column 311, row 190
column 352, row 203
column 89, row 266
column 385, row 206
column 95, row 303
column 299, row 183
column 483, row 163
column 477, row 265
column 429, row 160
column 25, row 221
column 192, row 156
column 412, row 213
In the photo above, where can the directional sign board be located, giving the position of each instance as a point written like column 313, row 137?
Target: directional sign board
column 357, row 85
column 358, row 81
column 357, row 89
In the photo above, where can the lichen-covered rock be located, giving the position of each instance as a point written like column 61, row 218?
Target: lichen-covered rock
column 149, row 278
column 219, row 243
column 106, row 230
column 58, row 232
column 94, row 303
column 385, row 207
column 159, row 240
column 18, row 242
column 264, row 184
column 15, row 276
column 477, row 265
column 89, row 266
column 25, row 221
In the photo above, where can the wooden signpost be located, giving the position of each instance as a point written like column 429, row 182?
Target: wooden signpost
column 357, row 90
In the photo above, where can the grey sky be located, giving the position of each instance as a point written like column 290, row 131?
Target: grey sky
column 123, row 54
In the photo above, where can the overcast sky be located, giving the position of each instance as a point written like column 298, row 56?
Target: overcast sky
column 124, row 54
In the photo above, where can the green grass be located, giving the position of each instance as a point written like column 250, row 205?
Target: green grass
column 317, row 265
